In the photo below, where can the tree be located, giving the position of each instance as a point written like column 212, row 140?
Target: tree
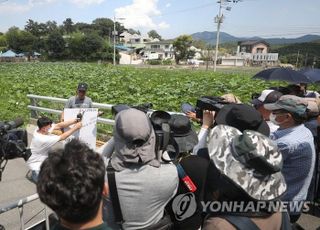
column 35, row 28
column 12, row 37
column 20, row 41
column 3, row 42
column 92, row 45
column 119, row 27
column 103, row 26
column 132, row 31
column 199, row 44
column 75, row 45
column 55, row 45
column 26, row 42
column 181, row 47
column 51, row 26
column 68, row 26
column 154, row 34
column 84, row 27
column 89, row 47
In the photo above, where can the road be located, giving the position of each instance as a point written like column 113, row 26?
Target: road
column 15, row 185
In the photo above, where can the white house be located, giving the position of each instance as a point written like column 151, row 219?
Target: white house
column 158, row 50
column 232, row 61
column 197, row 52
column 256, row 52
column 131, row 39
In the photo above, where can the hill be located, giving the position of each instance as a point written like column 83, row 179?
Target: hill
column 307, row 53
column 210, row 37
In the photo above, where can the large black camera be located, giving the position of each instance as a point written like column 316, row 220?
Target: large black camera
column 209, row 103
column 13, row 142
column 159, row 120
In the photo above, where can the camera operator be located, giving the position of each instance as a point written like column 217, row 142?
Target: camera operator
column 43, row 140
column 142, row 183
column 13, row 142
column 190, row 111
column 239, row 116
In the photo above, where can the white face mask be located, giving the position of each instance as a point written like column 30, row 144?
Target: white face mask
column 272, row 118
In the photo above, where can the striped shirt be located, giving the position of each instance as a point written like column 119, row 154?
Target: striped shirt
column 298, row 151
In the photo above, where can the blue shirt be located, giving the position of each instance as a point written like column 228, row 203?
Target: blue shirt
column 298, row 152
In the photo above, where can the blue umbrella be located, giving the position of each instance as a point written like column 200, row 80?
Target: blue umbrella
column 312, row 74
column 283, row 74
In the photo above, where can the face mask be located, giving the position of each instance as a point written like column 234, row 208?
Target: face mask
column 272, row 118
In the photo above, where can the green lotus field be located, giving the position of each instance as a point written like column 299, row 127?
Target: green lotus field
column 165, row 87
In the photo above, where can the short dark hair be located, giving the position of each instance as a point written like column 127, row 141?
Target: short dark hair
column 43, row 121
column 71, row 182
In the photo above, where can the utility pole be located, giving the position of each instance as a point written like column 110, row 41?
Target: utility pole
column 297, row 59
column 218, row 20
column 207, row 61
column 314, row 62
column 114, row 38
column 306, row 60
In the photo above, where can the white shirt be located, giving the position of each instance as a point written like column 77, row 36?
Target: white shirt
column 40, row 146
column 202, row 137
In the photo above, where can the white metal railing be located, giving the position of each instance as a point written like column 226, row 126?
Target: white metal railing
column 265, row 57
column 20, row 204
column 35, row 108
column 260, row 56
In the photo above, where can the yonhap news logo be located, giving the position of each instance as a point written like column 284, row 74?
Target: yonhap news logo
column 184, row 206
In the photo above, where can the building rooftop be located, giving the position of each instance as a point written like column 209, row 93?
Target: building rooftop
column 252, row 42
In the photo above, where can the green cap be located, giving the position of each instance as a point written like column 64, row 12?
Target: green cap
column 289, row 103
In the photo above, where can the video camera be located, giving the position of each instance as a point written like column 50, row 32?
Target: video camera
column 13, row 142
column 211, row 103
column 159, row 120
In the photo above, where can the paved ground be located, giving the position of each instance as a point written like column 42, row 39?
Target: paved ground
column 15, row 185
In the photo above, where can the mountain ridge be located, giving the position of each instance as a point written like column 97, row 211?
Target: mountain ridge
column 210, row 37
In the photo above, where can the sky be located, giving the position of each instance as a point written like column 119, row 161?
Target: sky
column 171, row 18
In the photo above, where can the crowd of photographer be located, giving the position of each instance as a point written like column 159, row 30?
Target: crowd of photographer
column 160, row 174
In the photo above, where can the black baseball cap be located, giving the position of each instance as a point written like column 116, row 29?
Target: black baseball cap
column 242, row 117
column 83, row 86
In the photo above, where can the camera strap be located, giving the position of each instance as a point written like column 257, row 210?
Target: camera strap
column 166, row 135
column 114, row 194
column 187, row 181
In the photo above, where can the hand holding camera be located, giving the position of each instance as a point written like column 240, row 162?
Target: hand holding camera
column 208, row 119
